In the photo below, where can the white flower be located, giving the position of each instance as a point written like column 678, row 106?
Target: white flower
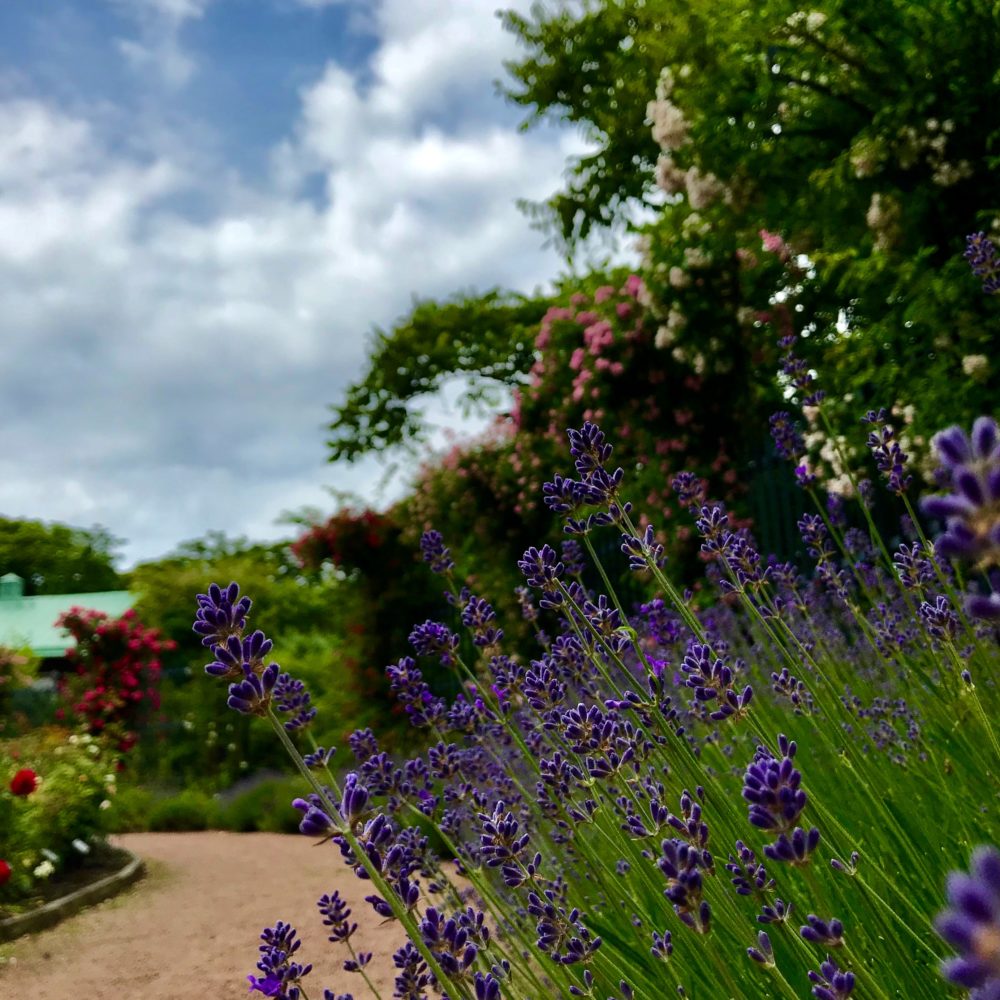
column 670, row 127
column 44, row 870
column 664, row 338
column 696, row 257
column 105, row 804
column 669, row 177
column 841, row 486
column 81, row 845
column 678, row 277
column 665, row 84
column 702, row 189
column 976, row 366
column 882, row 217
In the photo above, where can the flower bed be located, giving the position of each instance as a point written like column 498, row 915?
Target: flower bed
column 55, row 789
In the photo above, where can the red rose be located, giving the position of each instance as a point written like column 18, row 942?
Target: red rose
column 4, row 872
column 24, row 782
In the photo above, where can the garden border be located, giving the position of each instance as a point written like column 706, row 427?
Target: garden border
column 51, row 913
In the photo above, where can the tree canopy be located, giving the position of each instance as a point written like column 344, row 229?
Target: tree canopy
column 56, row 558
column 488, row 337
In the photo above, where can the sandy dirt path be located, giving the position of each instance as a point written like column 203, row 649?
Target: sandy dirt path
column 189, row 930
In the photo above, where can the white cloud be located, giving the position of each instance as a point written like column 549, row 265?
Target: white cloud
column 167, row 375
column 158, row 49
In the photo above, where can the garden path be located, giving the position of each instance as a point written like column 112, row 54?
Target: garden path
column 188, row 930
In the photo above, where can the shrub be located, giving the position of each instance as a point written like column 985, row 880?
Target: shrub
column 129, row 811
column 185, row 811
column 266, row 808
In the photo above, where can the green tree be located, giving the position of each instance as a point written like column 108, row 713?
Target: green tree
column 854, row 131
column 487, row 338
column 58, row 559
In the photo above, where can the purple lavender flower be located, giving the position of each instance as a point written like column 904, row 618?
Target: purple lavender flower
column 336, row 915
column 831, row 982
column 972, row 925
column 561, row 934
column 434, row 639
column 663, row 946
column 221, row 614
column 436, row 554
column 573, row 557
column 412, row 979
column 890, row 459
column 829, row 933
column 748, row 875
column 787, row 438
column 480, row 618
column 282, row 976
column 798, row 372
column 543, row 570
column 939, row 619
column 778, row 913
column 643, row 551
column 682, row 864
column 589, row 448
column 252, row 695
column 690, row 490
column 319, row 758
column 714, row 680
column 486, row 986
column 913, row 566
column 291, row 698
column 449, row 941
column 972, row 510
column 316, row 822
column 984, row 261
column 763, row 954
column 772, row 786
column 794, row 849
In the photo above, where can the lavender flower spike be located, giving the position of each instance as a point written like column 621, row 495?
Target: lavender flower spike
column 972, row 925
column 984, row 260
column 972, row 510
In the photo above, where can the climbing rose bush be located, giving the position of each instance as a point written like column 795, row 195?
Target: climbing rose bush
column 114, row 673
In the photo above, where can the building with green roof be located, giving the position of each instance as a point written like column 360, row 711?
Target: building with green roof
column 30, row 622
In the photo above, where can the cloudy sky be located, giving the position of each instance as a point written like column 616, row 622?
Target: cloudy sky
column 204, row 207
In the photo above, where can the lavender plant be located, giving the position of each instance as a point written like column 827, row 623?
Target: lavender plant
column 754, row 797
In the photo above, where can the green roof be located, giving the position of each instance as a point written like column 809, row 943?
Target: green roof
column 31, row 621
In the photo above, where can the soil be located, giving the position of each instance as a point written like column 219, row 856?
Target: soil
column 189, row 930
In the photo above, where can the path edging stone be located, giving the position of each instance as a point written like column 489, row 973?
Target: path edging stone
column 51, row 913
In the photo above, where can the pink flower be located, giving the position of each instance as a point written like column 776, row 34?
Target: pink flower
column 576, row 359
column 634, row 286
column 624, row 310
column 604, row 293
